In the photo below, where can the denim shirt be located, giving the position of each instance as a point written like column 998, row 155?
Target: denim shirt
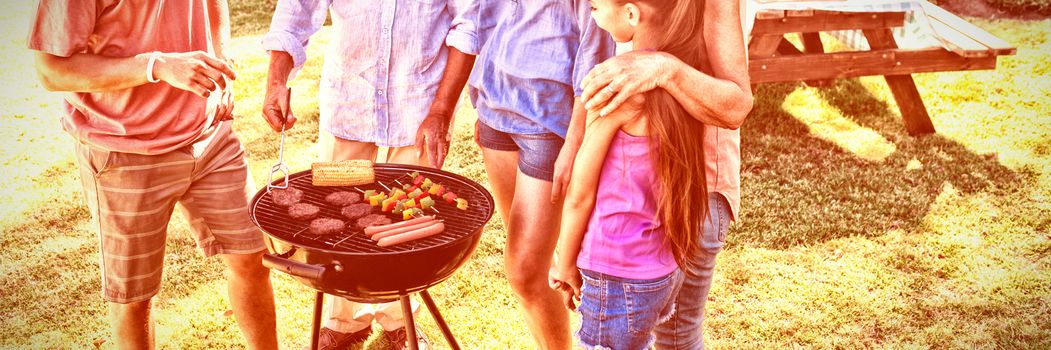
column 535, row 56
column 383, row 63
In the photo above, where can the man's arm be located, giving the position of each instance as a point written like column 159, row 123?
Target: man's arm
column 294, row 22
column 432, row 136
column 219, row 23
column 722, row 99
column 197, row 72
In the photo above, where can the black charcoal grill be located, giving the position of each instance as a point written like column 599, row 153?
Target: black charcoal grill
column 352, row 266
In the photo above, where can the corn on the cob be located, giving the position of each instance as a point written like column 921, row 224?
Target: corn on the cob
column 343, row 173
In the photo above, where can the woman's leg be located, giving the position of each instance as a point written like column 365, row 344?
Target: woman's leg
column 532, row 230
column 685, row 329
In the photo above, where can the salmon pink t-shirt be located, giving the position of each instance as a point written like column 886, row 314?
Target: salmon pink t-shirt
column 147, row 119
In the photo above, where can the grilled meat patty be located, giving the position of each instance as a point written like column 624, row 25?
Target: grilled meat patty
column 326, row 226
column 303, row 211
column 356, row 211
column 285, row 197
column 343, row 198
column 372, row 220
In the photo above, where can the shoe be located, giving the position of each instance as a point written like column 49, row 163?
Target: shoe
column 332, row 340
column 399, row 339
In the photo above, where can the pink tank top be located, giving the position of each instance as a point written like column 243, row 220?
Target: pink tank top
column 625, row 237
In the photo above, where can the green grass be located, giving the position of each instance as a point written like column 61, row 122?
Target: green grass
column 1021, row 6
column 852, row 233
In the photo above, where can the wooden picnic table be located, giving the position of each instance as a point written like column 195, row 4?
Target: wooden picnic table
column 772, row 58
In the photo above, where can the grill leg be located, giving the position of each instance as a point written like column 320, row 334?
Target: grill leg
column 410, row 324
column 319, row 301
column 433, row 308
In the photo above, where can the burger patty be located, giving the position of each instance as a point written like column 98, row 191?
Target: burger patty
column 326, row 226
column 285, row 197
column 343, row 198
column 356, row 211
column 303, row 211
column 372, row 220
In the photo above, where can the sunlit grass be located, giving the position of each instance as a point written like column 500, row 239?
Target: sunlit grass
column 852, row 233
column 828, row 123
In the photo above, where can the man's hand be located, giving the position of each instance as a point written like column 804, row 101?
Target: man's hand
column 563, row 170
column 566, row 279
column 614, row 81
column 226, row 105
column 197, row 72
column 276, row 109
column 432, row 139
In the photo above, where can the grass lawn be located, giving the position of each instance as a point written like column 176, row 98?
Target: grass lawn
column 852, row 233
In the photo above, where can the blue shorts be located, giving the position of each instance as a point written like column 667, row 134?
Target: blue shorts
column 536, row 152
column 619, row 313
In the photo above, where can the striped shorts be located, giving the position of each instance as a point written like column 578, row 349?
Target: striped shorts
column 132, row 197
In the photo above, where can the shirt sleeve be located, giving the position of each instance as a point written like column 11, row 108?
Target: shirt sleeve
column 293, row 23
column 62, row 27
column 463, row 32
column 596, row 45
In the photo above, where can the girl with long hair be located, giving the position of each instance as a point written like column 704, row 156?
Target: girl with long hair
column 637, row 197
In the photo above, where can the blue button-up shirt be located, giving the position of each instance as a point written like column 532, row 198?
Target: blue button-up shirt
column 383, row 63
column 535, row 56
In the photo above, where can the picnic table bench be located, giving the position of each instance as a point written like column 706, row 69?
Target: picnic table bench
column 772, row 58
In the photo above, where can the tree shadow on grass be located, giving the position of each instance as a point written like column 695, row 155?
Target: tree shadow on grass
column 799, row 189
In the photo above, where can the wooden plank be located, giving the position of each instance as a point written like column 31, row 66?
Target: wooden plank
column 769, row 14
column 938, row 14
column 764, row 45
column 828, row 21
column 862, row 63
column 913, row 112
column 799, row 13
column 959, row 43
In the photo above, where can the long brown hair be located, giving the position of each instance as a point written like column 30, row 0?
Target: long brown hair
column 682, row 192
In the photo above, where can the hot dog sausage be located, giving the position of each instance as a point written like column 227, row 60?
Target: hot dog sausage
column 403, row 229
column 371, row 230
column 412, row 235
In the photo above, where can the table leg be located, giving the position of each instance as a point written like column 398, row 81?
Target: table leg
column 913, row 112
column 764, row 46
column 812, row 45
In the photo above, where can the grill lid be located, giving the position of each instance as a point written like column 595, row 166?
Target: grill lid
column 459, row 224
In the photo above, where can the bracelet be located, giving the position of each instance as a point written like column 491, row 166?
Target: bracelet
column 149, row 67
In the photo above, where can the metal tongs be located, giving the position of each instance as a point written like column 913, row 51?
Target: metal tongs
column 280, row 167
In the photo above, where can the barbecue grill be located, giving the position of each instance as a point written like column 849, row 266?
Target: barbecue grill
column 352, row 266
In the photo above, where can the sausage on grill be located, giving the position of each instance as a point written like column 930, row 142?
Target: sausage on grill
column 285, row 197
column 303, row 211
column 326, row 226
column 342, row 198
column 356, row 211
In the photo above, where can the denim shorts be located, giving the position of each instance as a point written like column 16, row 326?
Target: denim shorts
column 618, row 313
column 536, row 152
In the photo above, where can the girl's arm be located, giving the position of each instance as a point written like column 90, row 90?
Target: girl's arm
column 580, row 197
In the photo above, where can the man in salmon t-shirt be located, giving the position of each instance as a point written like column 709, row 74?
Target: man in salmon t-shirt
column 149, row 106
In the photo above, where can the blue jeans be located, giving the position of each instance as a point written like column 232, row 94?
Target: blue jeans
column 619, row 313
column 536, row 152
column 684, row 330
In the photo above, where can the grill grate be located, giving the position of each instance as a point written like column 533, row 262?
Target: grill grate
column 274, row 220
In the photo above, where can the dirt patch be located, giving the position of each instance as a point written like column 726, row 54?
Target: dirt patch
column 982, row 9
